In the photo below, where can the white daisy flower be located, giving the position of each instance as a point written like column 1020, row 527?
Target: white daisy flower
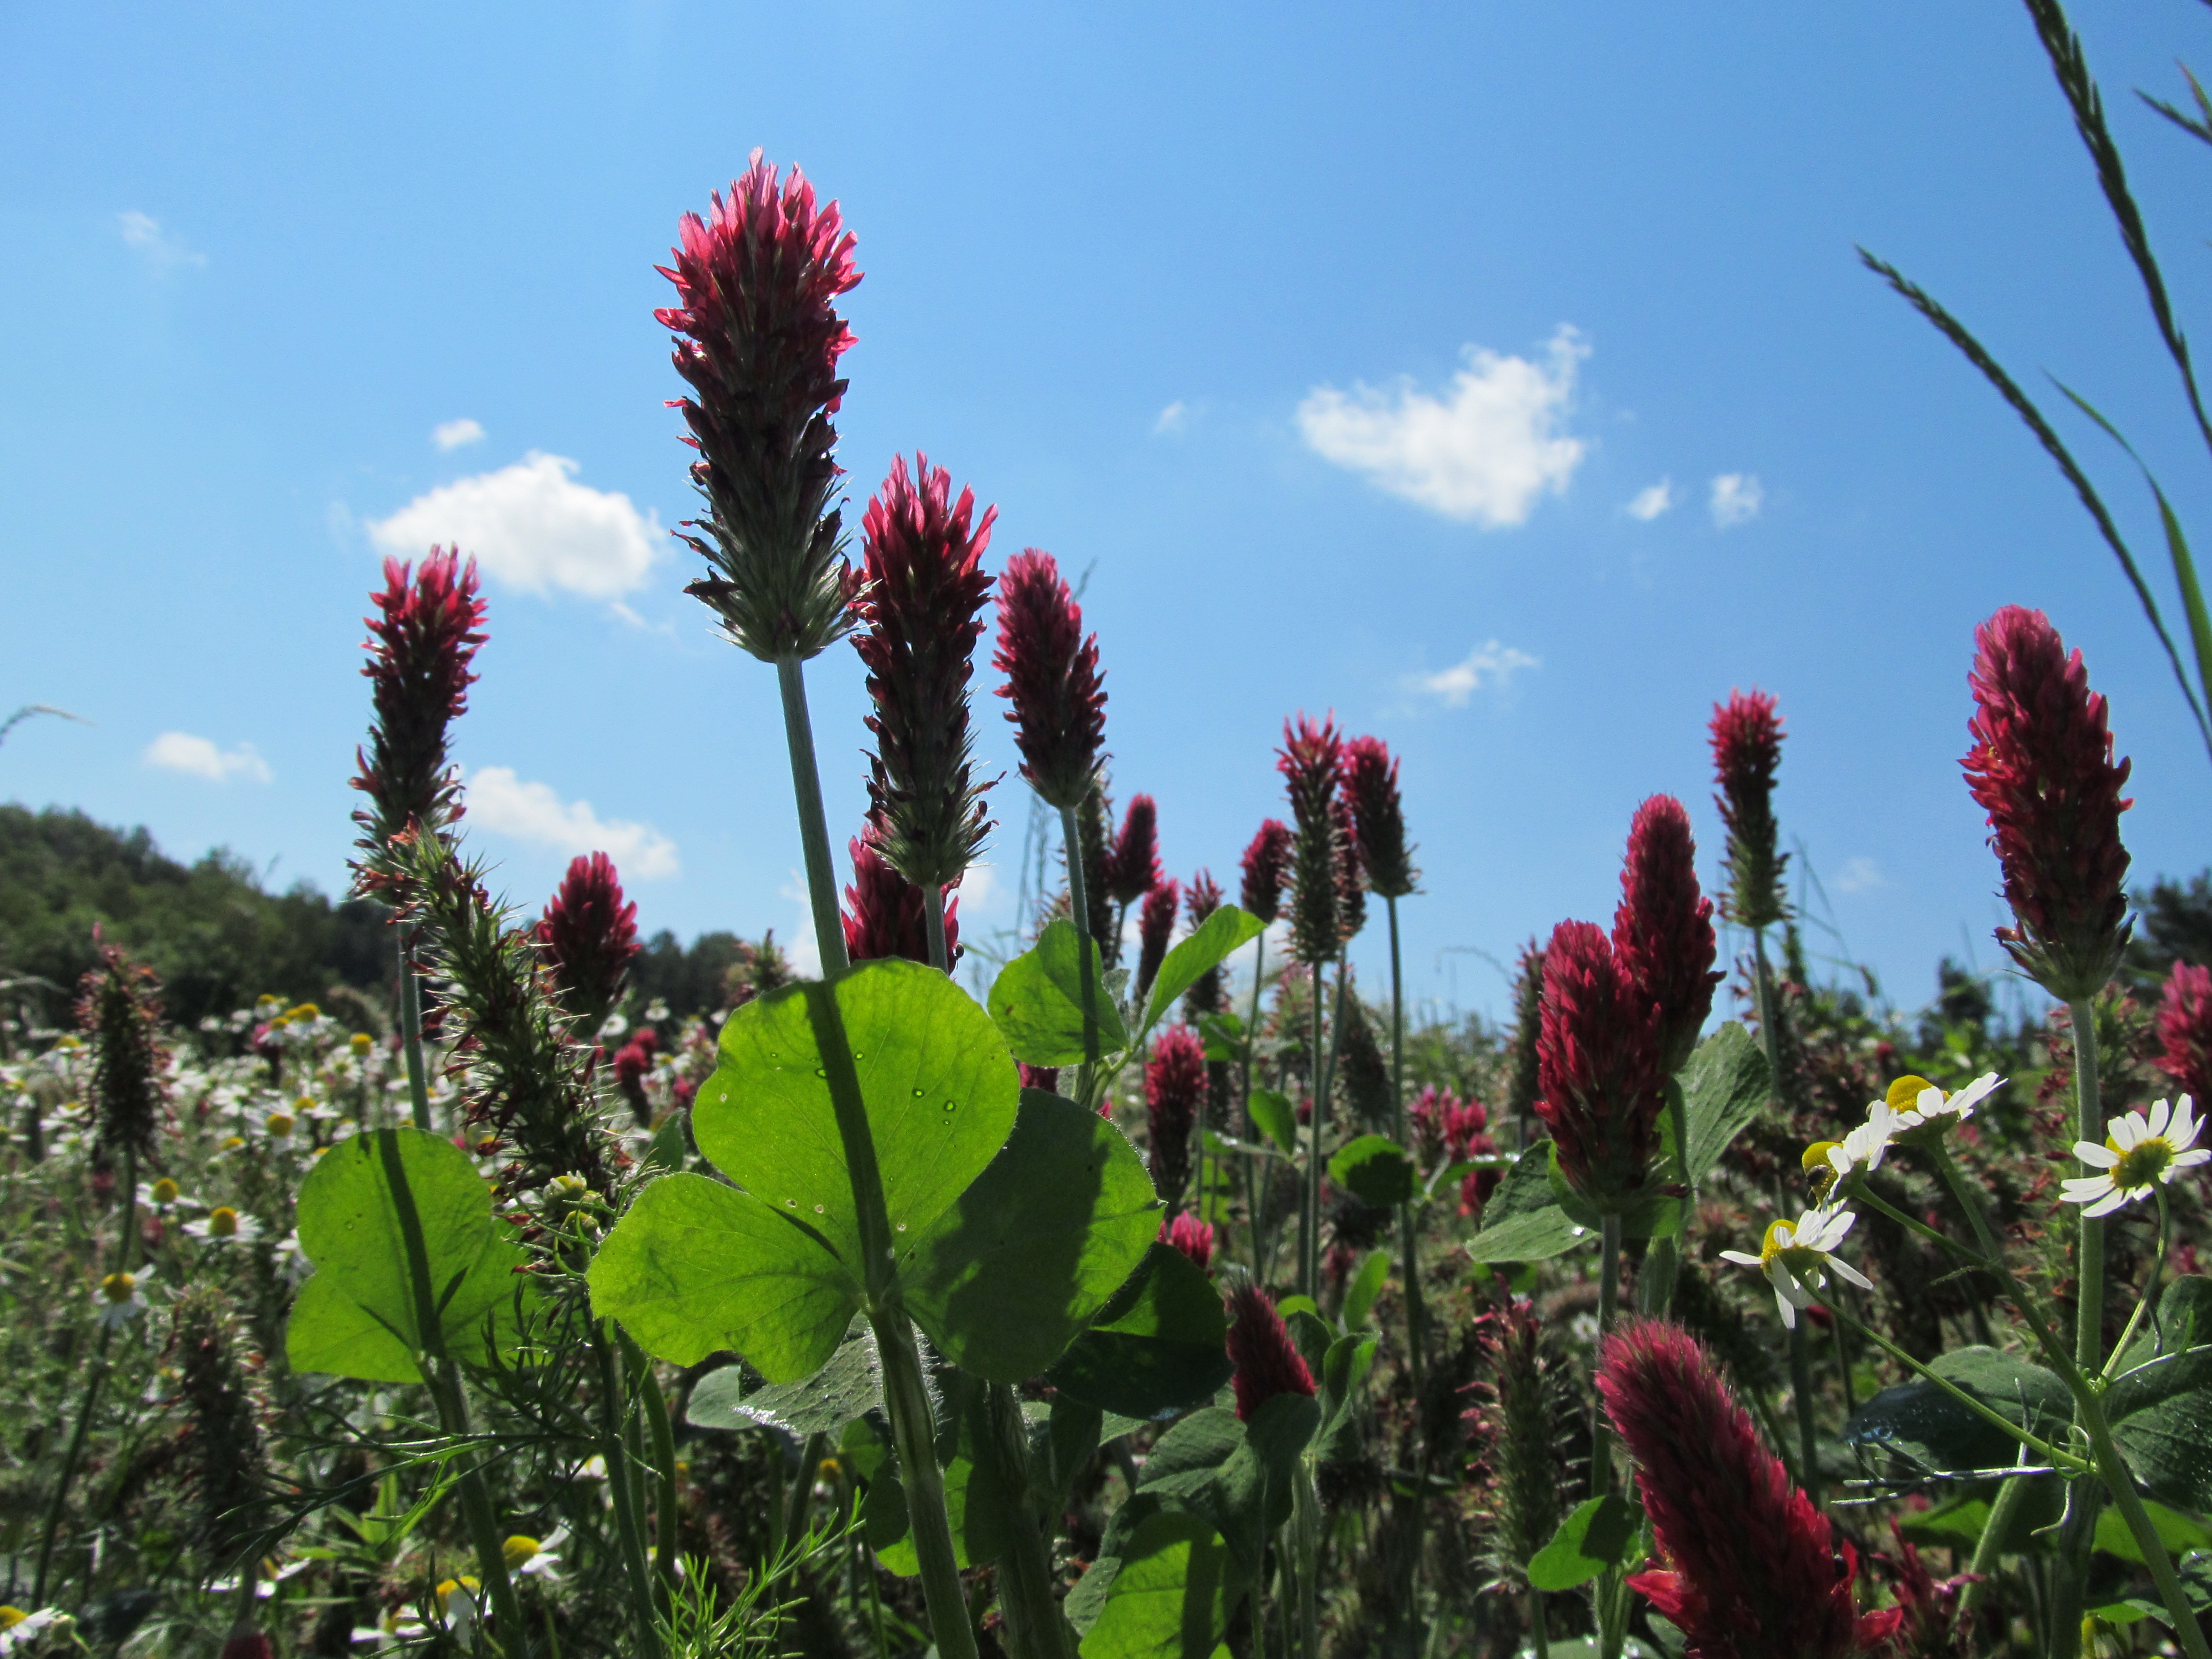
column 1862, row 1149
column 1929, row 1104
column 2140, row 1153
column 162, row 1196
column 279, row 1126
column 533, row 1558
column 19, row 1629
column 120, row 1300
column 1797, row 1256
column 457, row 1602
column 224, row 1226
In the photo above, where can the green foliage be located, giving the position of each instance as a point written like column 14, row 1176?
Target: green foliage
column 1376, row 1169
column 1921, row 1421
column 1601, row 1534
column 1156, row 1347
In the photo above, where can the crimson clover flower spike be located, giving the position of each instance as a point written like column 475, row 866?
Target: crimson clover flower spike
column 589, row 936
column 1662, row 932
column 1748, row 1568
column 428, row 624
column 1267, row 1362
column 1200, row 899
column 1266, row 866
column 1747, row 740
column 1309, row 760
column 1351, row 872
column 2184, row 1030
column 1044, row 1077
column 757, row 338
column 2042, row 767
column 882, row 912
column 922, row 554
column 1174, row 1091
column 1597, row 1061
column 1370, row 784
column 1133, row 868
column 1155, row 926
column 119, row 1008
column 1193, row 1237
column 1053, row 680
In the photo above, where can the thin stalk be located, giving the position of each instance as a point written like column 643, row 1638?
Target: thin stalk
column 1255, row 1181
column 1763, row 997
column 813, row 825
column 1309, row 1177
column 1034, row 1623
column 410, row 1028
column 2069, row 1590
column 1540, row 1639
column 1988, row 1548
column 798, row 1501
column 1800, row 1386
column 913, row 1433
column 932, row 911
column 663, row 1437
column 614, row 1449
column 1416, row 1335
column 1079, row 900
column 1608, row 1602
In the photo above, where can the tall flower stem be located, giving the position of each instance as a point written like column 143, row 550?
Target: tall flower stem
column 2067, row 1587
column 1610, row 1603
column 933, row 911
column 1324, row 1083
column 614, row 1448
column 410, row 1028
column 1409, row 1242
column 1256, row 1182
column 1078, row 904
column 662, row 1435
column 906, row 1397
column 1808, row 1433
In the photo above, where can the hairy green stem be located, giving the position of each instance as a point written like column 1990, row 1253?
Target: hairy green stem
column 932, row 911
column 1255, row 1179
column 1409, row 1244
column 410, row 1028
column 662, row 1434
column 614, row 1450
column 2069, row 1588
column 1607, row 1602
column 1324, row 1086
column 1809, row 1435
column 813, row 825
column 1079, row 903
column 1034, row 1623
column 798, row 1499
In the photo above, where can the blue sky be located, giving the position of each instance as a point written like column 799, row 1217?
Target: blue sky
column 1199, row 297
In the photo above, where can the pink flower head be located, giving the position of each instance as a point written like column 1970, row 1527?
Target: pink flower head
column 1746, row 738
column 1309, row 760
column 1133, row 866
column 1266, row 866
column 1351, row 872
column 1428, row 1112
column 1155, row 925
column 1750, row 1570
column 1597, row 1060
column 1175, row 1093
column 1193, row 1237
column 1378, row 817
column 429, row 625
column 882, row 912
column 1201, row 898
column 758, row 340
column 1664, row 931
column 1267, row 1362
column 2184, row 1032
column 1931, row 1625
column 922, row 607
column 589, row 936
column 1043, row 1077
column 2042, row 767
column 1053, row 680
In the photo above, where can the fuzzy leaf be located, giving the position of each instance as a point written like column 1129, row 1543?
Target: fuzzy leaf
column 1597, row 1536
column 1376, row 1169
column 1211, row 943
column 1037, row 1000
column 1158, row 1346
column 1724, row 1088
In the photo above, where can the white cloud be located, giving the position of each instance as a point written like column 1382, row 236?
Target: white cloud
column 1488, row 664
column 1482, row 453
column 803, row 948
column 162, row 250
column 502, row 802
column 1650, row 503
column 1737, row 497
column 452, row 435
column 1172, row 419
column 1859, row 874
column 198, row 757
column 533, row 527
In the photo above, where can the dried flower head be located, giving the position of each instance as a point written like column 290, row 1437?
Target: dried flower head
column 1746, row 738
column 1133, row 868
column 1370, row 783
column 923, row 607
column 1662, row 932
column 1267, row 867
column 225, row 1457
column 1750, row 1570
column 2184, row 1030
column 1513, row 1432
column 428, row 624
column 1174, row 1092
column 883, row 912
column 118, row 1006
column 1309, row 760
column 1193, row 1237
column 1267, row 1362
column 1053, row 680
column 2042, row 767
column 758, row 341
column 1155, row 926
column 589, row 936
column 1597, row 1060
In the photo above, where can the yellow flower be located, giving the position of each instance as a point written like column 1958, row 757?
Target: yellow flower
column 165, row 1192
column 119, row 1287
column 446, row 1587
column 305, row 1011
column 232, row 1142
column 361, row 1042
column 518, row 1549
column 11, row 1617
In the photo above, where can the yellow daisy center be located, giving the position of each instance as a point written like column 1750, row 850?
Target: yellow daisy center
column 519, row 1549
column 11, row 1617
column 222, row 1222
column 1816, row 1155
column 1904, row 1094
column 362, row 1042
column 307, row 1011
column 164, row 1191
column 232, row 1142
column 280, row 1124
column 1781, row 1243
column 446, row 1588
column 2141, row 1165
column 119, row 1287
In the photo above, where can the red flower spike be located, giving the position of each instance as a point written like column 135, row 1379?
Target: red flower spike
column 1309, row 760
column 1267, row 867
column 1267, row 1362
column 1746, row 738
column 589, row 936
column 1155, row 926
column 1175, row 1093
column 1370, row 784
column 1133, row 868
column 428, row 624
column 1193, row 1237
column 1930, row 1625
column 1662, row 933
column 1597, row 1059
column 1053, row 680
column 1351, row 872
column 758, row 341
column 922, row 607
column 883, row 913
column 2184, row 1032
column 1750, row 1570
column 1201, row 900
column 2042, row 767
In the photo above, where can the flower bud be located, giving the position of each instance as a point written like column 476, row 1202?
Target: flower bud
column 1266, row 866
column 1053, row 680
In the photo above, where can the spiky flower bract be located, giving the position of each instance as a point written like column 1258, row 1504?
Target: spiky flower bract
column 1350, row 873
column 1747, row 740
column 883, row 913
column 1174, row 1092
column 1597, row 1056
column 1133, row 868
column 1749, row 1569
column 1094, row 835
column 119, row 1006
column 1309, row 760
column 1662, row 932
column 1267, row 1362
column 1155, row 926
column 2042, row 767
column 589, row 936
column 429, row 625
column 1378, row 817
column 2184, row 1030
column 923, row 610
column 1514, row 1434
column 758, row 338
column 1524, row 1084
column 1265, row 868
column 1053, row 680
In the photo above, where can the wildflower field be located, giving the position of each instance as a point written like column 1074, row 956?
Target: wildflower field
column 1156, row 1289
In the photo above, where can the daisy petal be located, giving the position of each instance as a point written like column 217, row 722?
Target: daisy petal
column 2090, row 1152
